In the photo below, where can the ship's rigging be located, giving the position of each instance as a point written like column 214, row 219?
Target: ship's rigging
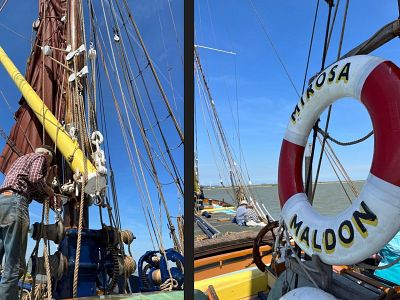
column 236, row 173
column 382, row 36
column 78, row 45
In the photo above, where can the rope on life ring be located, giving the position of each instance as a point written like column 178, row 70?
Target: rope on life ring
column 373, row 218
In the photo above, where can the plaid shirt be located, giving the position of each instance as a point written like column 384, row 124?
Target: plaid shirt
column 27, row 177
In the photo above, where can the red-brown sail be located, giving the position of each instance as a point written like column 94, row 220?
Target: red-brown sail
column 46, row 77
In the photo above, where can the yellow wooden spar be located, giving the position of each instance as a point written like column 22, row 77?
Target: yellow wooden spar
column 236, row 285
column 68, row 147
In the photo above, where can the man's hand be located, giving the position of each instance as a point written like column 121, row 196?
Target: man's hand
column 51, row 173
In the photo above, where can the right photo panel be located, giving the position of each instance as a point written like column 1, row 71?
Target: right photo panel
column 296, row 146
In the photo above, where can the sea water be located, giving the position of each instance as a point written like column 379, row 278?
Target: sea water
column 329, row 199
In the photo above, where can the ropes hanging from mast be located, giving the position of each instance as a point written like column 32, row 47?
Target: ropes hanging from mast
column 133, row 167
column 147, row 148
column 2, row 5
column 273, row 47
column 178, row 178
column 326, row 45
column 132, row 108
column 164, row 96
column 239, row 185
column 149, row 157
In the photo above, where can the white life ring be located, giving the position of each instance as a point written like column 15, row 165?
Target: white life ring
column 374, row 217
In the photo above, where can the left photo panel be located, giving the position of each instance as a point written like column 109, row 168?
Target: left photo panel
column 91, row 149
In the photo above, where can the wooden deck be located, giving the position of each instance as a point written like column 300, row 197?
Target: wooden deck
column 233, row 236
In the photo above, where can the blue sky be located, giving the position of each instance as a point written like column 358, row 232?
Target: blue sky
column 166, row 49
column 254, row 80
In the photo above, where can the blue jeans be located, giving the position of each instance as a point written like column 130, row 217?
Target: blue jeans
column 14, row 224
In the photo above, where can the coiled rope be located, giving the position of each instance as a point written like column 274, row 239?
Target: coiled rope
column 169, row 284
column 127, row 236
column 129, row 265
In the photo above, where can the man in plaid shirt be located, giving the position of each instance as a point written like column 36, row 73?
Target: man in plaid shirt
column 28, row 178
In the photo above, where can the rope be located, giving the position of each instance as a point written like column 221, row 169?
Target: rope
column 14, row 32
column 10, row 142
column 121, row 123
column 128, row 71
column 321, row 153
column 104, row 127
column 128, row 129
column 146, row 143
column 211, row 144
column 180, row 222
column 136, row 176
column 326, row 42
column 369, row 267
column 46, row 254
column 342, row 170
column 168, row 284
column 333, row 22
column 176, row 32
column 273, row 46
column 334, row 170
column 398, row 6
column 82, row 135
column 236, row 173
column 40, row 291
column 309, row 177
column 226, row 161
column 129, row 265
column 4, row 4
column 303, row 266
column 139, row 121
column 164, row 96
column 302, row 91
column 152, row 226
column 169, row 67
column 127, row 236
column 78, row 247
column 330, row 106
column 343, row 27
column 26, row 295
column 328, row 137
column 34, row 253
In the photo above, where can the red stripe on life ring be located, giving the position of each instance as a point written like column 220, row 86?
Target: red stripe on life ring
column 381, row 96
column 290, row 180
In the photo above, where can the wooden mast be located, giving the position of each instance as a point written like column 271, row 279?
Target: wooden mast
column 74, row 38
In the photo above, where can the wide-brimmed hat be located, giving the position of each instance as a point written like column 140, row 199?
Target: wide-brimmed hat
column 243, row 202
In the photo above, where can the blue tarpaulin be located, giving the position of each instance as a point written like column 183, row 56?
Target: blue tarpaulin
column 389, row 253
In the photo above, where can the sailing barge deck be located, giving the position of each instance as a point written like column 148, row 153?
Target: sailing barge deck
column 231, row 249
